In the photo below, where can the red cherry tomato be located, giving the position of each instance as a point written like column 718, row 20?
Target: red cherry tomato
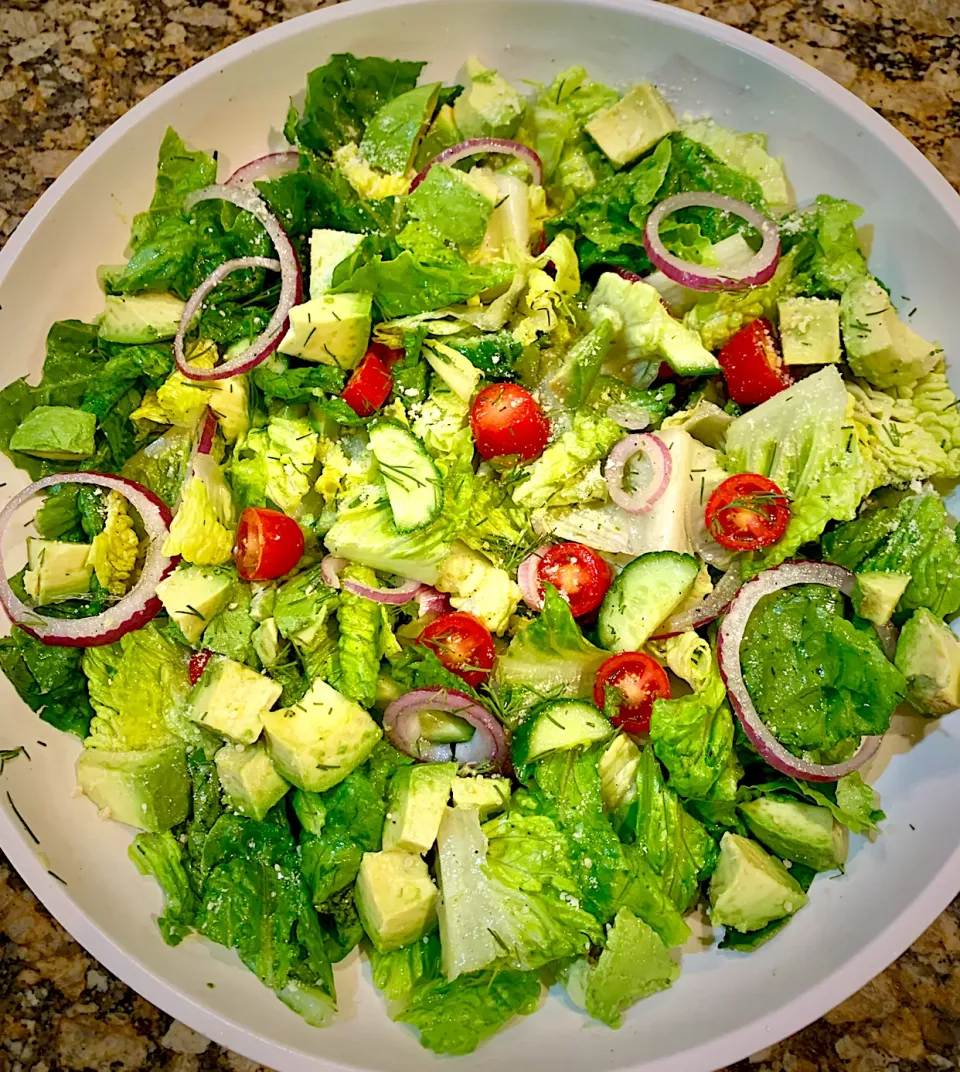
column 635, row 681
column 387, row 354
column 665, row 372
column 269, row 544
column 752, row 365
column 747, row 512
column 369, row 386
column 578, row 573
column 506, row 419
column 463, row 644
column 198, row 663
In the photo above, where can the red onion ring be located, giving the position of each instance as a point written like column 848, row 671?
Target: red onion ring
column 265, row 167
column 476, row 146
column 529, row 581
column 330, row 569
column 644, row 499
column 207, row 432
column 401, row 723
column 291, row 286
column 430, row 601
column 701, row 277
column 729, row 640
column 395, row 597
column 709, row 608
column 135, row 609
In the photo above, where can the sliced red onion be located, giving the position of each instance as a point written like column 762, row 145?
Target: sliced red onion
column 430, row 601
column 401, row 723
column 207, row 433
column 395, row 597
column 477, row 146
column 135, row 609
column 330, row 569
column 729, row 639
column 643, row 499
column 699, row 276
column 709, row 608
column 529, row 581
column 265, row 167
column 291, row 286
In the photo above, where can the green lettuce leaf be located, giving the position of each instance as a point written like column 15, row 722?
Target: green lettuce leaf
column 746, row 153
column 815, row 678
column 360, row 622
column 828, row 255
column 161, row 856
column 231, row 631
column 452, row 208
column 48, row 680
column 161, row 466
column 295, row 386
column 643, row 894
column 497, row 526
column 912, row 537
column 398, row 973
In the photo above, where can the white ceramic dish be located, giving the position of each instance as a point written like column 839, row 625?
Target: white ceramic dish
column 724, row 1006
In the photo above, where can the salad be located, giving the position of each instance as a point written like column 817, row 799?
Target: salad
column 488, row 533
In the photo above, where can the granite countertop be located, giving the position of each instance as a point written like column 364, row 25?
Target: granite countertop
column 68, row 69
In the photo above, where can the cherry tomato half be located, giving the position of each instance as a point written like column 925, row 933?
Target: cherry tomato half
column 752, row 365
column 578, row 573
column 463, row 644
column 635, row 681
column 369, row 386
column 747, row 512
column 198, row 663
column 506, row 419
column 387, row 354
column 269, row 544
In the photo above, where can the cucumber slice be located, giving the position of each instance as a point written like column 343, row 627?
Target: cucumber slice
column 556, row 726
column 414, row 485
column 646, row 592
column 440, row 728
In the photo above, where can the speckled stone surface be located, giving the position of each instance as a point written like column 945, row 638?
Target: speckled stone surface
column 68, row 69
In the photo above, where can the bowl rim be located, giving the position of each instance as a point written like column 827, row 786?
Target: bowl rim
column 802, row 1010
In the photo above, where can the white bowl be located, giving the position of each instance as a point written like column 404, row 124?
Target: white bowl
column 725, row 1005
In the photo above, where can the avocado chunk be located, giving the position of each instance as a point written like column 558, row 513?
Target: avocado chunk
column 489, row 107
column 928, row 655
column 194, row 595
column 140, row 318
column 327, row 249
column 60, row 433
column 231, row 699
column 391, row 136
column 876, row 594
column 618, row 773
column 633, row 125
column 149, row 789
column 249, row 779
column 319, row 741
column 750, row 888
column 880, row 346
column 810, row 331
column 396, row 899
column 489, row 795
column 333, row 329
column 415, row 803
column 803, row 833
column 267, row 642
column 457, row 372
column 57, row 571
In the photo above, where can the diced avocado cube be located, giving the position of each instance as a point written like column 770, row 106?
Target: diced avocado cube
column 232, row 700
column 928, row 655
column 489, row 795
column 57, row 571
column 333, row 329
column 810, row 331
column 396, row 899
column 750, row 888
column 230, row 399
column 633, row 125
column 456, row 371
column 804, row 833
column 249, row 779
column 880, row 346
column 618, row 773
column 194, row 595
column 140, row 318
column 316, row 743
column 876, row 594
column 267, row 642
column 415, row 803
column 60, row 433
column 327, row 249
column 148, row 789
column 392, row 134
column 489, row 107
